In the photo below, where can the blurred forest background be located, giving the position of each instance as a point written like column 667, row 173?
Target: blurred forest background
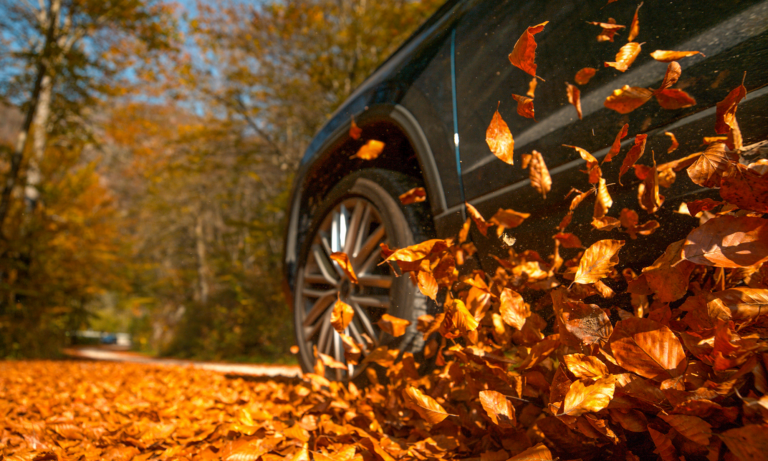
column 146, row 152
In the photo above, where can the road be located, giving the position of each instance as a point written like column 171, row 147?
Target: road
column 96, row 353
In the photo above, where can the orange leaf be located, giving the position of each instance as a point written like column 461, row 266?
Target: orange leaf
column 598, row 261
column 668, row 276
column 393, row 325
column 498, row 408
column 745, row 188
column 352, row 350
column 419, row 251
column 532, row 87
column 748, row 442
column 568, row 240
column 342, row 260
column 648, row 348
column 691, row 427
column 674, row 145
column 625, row 57
column 513, row 309
column 354, row 131
column 593, row 166
column 584, row 75
column 634, row 28
column 725, row 115
column 627, row 98
column 603, row 201
column 482, row 226
column 427, row 284
column 744, row 303
column 669, row 56
column 671, row 76
column 538, row 172
column 664, row 446
column 524, row 106
column 706, row 204
column 341, row 315
column 539, row 452
column 524, row 52
column 606, row 223
column 370, row 150
column 425, row 405
column 585, row 366
column 673, row 99
column 574, row 97
column 458, row 315
column 582, row 399
column 609, row 29
column 507, row 219
column 415, row 195
column 329, row 361
column 728, row 241
column 499, row 139
column 616, row 146
column 648, row 192
column 708, row 169
column 633, row 155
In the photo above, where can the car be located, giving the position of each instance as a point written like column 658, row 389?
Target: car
column 431, row 102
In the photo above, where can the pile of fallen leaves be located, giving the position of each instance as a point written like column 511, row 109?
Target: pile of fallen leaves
column 528, row 365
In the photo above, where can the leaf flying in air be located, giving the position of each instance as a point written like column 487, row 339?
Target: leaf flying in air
column 634, row 28
column 425, row 405
column 669, row 56
column 393, row 325
column 616, row 146
column 574, row 97
column 341, row 315
column 524, row 106
column 498, row 408
column 584, row 75
column 625, row 57
column 524, row 52
column 415, row 195
column 370, row 150
column 499, row 139
column 598, row 261
column 627, row 98
column 342, row 260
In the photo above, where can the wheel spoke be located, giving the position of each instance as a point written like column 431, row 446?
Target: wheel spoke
column 371, row 301
column 362, row 317
column 325, row 330
column 327, row 257
column 371, row 243
column 319, row 307
column 356, row 335
column 354, row 225
column 324, row 263
column 362, row 229
column 378, row 281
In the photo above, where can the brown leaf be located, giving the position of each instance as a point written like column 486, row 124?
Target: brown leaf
column 508, row 219
column 532, row 87
column 593, row 166
column 606, row 223
column 482, row 226
column 633, row 155
column 574, row 97
column 342, row 260
column 582, row 399
column 609, row 29
column 341, row 315
column 524, row 52
column 330, row 362
column 598, row 260
column 710, row 165
column 427, row 284
column 625, row 57
column 671, row 76
column 669, row 275
column 669, row 56
column 728, row 241
column 748, row 443
column 744, row 303
column 513, row 309
column 745, row 188
column 539, row 452
column 585, row 366
column 673, row 147
column 664, row 445
column 498, row 408
column 616, row 146
column 524, row 106
column 354, row 131
column 419, row 251
column 584, row 75
column 352, row 350
column 586, row 322
column 370, row 150
column 627, row 98
column 692, row 428
column 648, row 348
column 603, row 200
column 706, row 204
column 415, row 195
column 673, row 99
column 634, row 28
column 568, row 240
column 393, row 325
column 725, row 116
column 539, row 174
column 459, row 317
column 425, row 405
column 648, row 192
column 499, row 139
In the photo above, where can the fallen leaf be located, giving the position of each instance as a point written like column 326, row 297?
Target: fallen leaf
column 582, row 399
column 539, row 452
column 425, row 405
column 584, row 75
column 728, row 241
column 480, row 222
column 691, row 427
column 342, row 260
column 499, row 139
column 725, row 115
column 633, row 155
column 744, row 303
column 598, row 260
column 370, row 150
column 524, row 52
column 568, row 240
column 627, row 98
column 513, row 309
column 419, row 251
column 498, row 408
column 668, row 277
column 708, row 169
column 585, row 366
column 625, row 57
column 669, row 56
column 648, row 348
column 673, row 147
column 427, row 284
column 524, row 106
column 745, row 188
column 508, row 219
column 706, row 204
column 616, row 146
column 609, row 29
column 648, row 192
column 748, row 442
column 415, row 195
column 664, row 446
column 574, row 97
column 393, row 325
column 330, row 362
column 634, row 28
column 341, row 315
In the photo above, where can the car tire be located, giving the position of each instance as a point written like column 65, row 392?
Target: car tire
column 356, row 211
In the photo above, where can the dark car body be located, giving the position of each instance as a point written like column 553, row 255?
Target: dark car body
column 433, row 99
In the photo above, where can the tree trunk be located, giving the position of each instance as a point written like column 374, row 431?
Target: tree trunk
column 202, row 264
column 39, row 136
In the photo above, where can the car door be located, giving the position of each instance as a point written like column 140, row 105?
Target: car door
column 732, row 37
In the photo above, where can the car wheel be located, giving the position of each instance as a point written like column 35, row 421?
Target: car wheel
column 359, row 214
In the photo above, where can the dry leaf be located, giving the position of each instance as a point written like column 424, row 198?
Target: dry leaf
column 606, row 223
column 568, row 240
column 582, row 399
column 532, row 87
column 648, row 348
column 480, row 222
column 669, row 56
column 725, row 116
column 633, row 155
column 342, row 260
column 574, row 97
column 744, row 303
column 673, row 99
column 341, row 315
column 498, row 408
column 425, row 405
column 415, row 195
column 513, row 309
column 625, row 57
column 499, row 139
column 674, row 144
column 593, row 166
column 538, row 173
column 634, row 28
column 508, row 219
column 585, row 366
column 692, row 428
column 370, row 150
column 745, row 188
column 616, row 146
column 524, row 52
column 393, row 325
column 603, row 200
column 524, row 106
column 728, row 241
column 627, row 98
column 710, row 165
column 609, row 29
column 354, row 131
column 598, row 260
column 584, row 75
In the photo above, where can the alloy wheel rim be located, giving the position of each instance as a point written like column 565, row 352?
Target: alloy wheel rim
column 354, row 227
